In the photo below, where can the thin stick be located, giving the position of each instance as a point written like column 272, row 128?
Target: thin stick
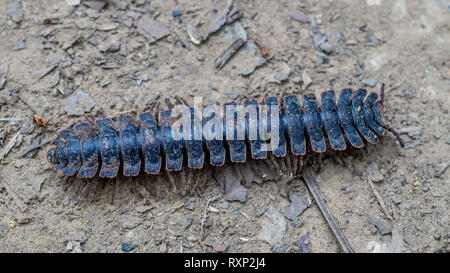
column 11, row 119
column 203, row 220
column 379, row 199
column 228, row 53
column 29, row 105
column 9, row 146
column 32, row 148
column 340, row 236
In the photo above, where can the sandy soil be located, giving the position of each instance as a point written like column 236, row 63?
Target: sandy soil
column 401, row 43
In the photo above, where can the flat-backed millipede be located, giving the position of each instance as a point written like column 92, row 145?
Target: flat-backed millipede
column 355, row 120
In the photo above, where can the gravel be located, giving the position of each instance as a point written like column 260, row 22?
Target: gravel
column 79, row 103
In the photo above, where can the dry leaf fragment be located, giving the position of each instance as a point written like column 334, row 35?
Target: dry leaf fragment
column 40, row 120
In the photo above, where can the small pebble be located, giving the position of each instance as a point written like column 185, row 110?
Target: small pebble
column 127, row 247
column 374, row 173
column 19, row 45
column 298, row 16
column 369, row 82
column 79, row 103
column 177, row 13
column 304, row 244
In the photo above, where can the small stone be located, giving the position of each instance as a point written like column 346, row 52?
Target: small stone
column 413, row 131
column 97, row 5
column 23, row 219
column 223, row 205
column 36, row 181
column 74, row 247
column 396, row 199
column 143, row 77
column 351, row 188
column 306, row 79
column 213, row 209
column 374, row 173
column 369, row 82
column 314, row 27
column 19, row 45
column 143, row 209
column 130, row 222
column 79, row 237
column 235, row 94
column 163, row 248
column 441, row 168
column 26, row 126
column 298, row 16
column 14, row 11
column 110, row 46
column 151, row 29
column 190, row 203
column 107, row 27
column 73, row 2
column 105, row 82
column 273, row 227
column 217, row 246
column 79, row 103
column 322, row 44
column 382, row 225
column 298, row 205
column 120, row 4
column 185, row 223
column 281, row 75
column 127, row 246
column 321, row 60
column 177, row 13
column 304, row 244
column 374, row 40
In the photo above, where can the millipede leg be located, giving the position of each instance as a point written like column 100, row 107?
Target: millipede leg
column 282, row 165
column 172, row 182
column 294, row 165
column 287, row 160
column 183, row 183
column 395, row 133
column 256, row 169
column 274, row 162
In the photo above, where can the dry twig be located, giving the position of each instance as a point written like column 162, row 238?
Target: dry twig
column 340, row 236
column 379, row 199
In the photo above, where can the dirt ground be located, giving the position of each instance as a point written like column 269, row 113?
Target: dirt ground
column 50, row 50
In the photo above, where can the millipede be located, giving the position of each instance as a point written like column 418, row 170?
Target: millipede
column 146, row 142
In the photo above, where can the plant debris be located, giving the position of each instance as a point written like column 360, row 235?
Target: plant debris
column 230, row 14
column 194, row 34
column 44, row 72
column 32, row 149
column 3, row 78
column 228, row 53
column 151, row 29
column 8, row 146
column 40, row 120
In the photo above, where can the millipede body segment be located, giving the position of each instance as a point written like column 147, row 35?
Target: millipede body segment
column 147, row 141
